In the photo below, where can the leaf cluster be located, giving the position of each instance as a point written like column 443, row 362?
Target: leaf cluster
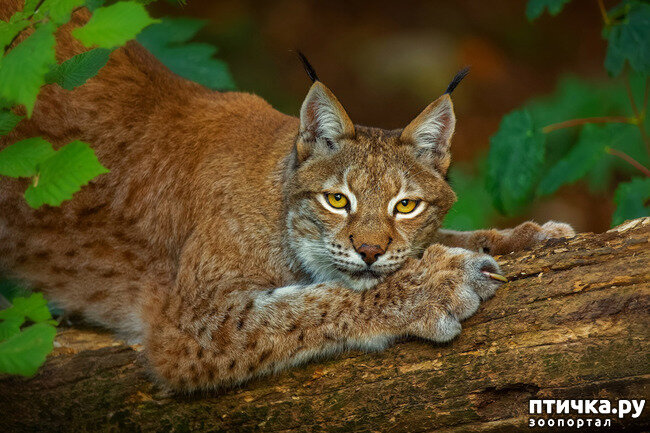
column 29, row 63
column 26, row 335
column 589, row 132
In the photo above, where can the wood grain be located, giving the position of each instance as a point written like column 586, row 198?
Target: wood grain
column 572, row 323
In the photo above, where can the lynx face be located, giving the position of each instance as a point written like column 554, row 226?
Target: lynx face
column 361, row 200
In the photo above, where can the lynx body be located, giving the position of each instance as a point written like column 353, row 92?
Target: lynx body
column 234, row 240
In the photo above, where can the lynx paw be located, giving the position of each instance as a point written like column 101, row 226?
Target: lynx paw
column 525, row 235
column 554, row 229
column 455, row 282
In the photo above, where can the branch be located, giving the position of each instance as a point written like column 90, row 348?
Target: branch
column 577, row 122
column 603, row 14
column 38, row 5
column 627, row 158
column 571, row 324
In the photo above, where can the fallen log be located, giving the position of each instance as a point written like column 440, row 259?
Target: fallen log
column 572, row 323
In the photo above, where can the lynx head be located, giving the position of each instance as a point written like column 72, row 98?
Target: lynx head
column 361, row 200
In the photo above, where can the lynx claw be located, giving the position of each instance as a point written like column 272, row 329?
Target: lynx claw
column 457, row 281
column 478, row 270
column 494, row 276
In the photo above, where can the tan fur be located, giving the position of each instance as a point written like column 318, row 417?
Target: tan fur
column 207, row 239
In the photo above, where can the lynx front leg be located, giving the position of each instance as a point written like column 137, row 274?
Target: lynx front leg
column 505, row 241
column 234, row 330
column 219, row 334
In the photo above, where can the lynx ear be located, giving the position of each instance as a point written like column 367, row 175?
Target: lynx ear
column 431, row 132
column 323, row 122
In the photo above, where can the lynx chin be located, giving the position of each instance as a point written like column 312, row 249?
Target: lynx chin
column 233, row 240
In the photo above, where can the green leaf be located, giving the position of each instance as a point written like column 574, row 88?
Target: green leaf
column 114, row 25
column 10, row 327
column 57, row 10
column 23, row 69
column 473, row 210
column 171, row 30
column 23, row 353
column 8, row 121
column 12, row 289
column 576, row 97
column 584, row 155
column 4, row 104
column 10, row 29
column 515, row 162
column 63, row 174
column 579, row 98
column 607, row 170
column 30, row 7
column 94, row 4
column 632, row 200
column 629, row 39
column 22, row 158
column 535, row 8
column 78, row 69
column 194, row 61
column 34, row 308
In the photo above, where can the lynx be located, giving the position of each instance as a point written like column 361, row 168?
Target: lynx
column 233, row 240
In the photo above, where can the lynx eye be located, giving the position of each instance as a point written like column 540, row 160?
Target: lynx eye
column 336, row 200
column 406, row 206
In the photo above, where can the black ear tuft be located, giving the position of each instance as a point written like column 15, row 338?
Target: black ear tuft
column 457, row 79
column 308, row 67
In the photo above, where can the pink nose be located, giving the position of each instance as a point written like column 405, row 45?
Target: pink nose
column 370, row 253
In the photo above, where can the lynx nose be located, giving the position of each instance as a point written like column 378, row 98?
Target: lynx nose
column 370, row 253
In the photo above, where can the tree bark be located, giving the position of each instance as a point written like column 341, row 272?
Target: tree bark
column 572, row 323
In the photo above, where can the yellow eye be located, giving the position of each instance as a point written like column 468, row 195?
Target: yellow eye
column 337, row 200
column 406, row 206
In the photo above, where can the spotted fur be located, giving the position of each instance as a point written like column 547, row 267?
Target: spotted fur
column 208, row 240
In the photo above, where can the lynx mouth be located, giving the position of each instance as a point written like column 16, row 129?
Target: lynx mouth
column 366, row 274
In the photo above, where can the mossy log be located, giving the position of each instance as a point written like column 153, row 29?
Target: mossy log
column 573, row 322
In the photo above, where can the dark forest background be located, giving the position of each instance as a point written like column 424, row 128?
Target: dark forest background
column 387, row 60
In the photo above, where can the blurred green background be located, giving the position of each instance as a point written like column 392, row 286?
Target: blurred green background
column 534, row 82
column 387, row 60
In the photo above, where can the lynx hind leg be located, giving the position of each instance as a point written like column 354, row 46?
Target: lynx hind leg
column 456, row 283
column 529, row 234
column 554, row 229
column 521, row 237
